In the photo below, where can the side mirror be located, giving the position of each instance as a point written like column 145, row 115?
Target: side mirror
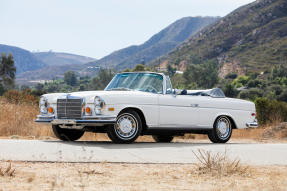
column 174, row 92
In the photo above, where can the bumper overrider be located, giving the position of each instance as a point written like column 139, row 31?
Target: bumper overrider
column 102, row 120
column 253, row 124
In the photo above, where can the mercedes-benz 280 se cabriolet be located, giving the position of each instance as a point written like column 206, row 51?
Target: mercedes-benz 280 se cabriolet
column 144, row 103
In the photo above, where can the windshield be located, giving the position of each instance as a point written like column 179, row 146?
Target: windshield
column 147, row 82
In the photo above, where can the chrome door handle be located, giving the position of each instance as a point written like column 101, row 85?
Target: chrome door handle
column 194, row 105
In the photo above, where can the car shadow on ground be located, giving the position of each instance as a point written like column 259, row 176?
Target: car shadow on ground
column 111, row 145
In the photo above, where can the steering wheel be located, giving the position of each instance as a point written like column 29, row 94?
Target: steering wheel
column 150, row 88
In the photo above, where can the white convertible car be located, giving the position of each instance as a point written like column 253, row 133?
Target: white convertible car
column 144, row 103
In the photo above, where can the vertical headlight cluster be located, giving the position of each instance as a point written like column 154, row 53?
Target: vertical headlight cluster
column 99, row 105
column 43, row 105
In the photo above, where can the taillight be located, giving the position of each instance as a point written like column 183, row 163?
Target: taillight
column 253, row 115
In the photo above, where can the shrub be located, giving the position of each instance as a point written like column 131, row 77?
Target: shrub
column 204, row 75
column 2, row 90
column 138, row 68
column 219, row 164
column 262, row 105
column 240, row 81
column 253, row 83
column 283, row 96
column 231, row 76
column 177, row 81
column 270, row 111
column 250, row 94
column 243, row 94
column 278, row 71
column 19, row 97
column 70, row 78
column 277, row 89
column 230, row 91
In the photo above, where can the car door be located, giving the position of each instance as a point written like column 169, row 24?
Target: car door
column 180, row 111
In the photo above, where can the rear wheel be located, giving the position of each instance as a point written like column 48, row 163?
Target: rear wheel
column 162, row 138
column 127, row 128
column 67, row 134
column 221, row 131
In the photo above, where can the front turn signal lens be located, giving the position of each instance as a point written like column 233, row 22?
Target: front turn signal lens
column 50, row 110
column 111, row 109
column 88, row 110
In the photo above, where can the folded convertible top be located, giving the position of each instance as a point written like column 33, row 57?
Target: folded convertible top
column 215, row 92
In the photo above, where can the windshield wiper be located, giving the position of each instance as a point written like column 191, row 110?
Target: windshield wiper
column 120, row 89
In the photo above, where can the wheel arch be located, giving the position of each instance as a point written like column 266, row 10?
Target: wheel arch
column 234, row 126
column 139, row 112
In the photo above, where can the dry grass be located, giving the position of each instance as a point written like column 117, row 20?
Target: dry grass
column 139, row 177
column 17, row 121
column 8, row 171
column 219, row 164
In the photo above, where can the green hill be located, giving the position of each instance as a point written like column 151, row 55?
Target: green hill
column 251, row 38
column 159, row 44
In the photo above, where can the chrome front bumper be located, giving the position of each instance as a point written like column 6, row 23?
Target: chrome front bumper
column 252, row 124
column 84, row 121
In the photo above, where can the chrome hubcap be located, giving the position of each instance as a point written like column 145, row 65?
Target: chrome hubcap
column 126, row 126
column 223, row 128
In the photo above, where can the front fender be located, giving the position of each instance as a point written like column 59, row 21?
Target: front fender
column 150, row 112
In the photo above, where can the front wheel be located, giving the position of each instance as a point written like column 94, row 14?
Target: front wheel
column 162, row 138
column 67, row 134
column 127, row 128
column 221, row 131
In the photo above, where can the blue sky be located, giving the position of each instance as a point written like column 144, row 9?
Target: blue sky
column 96, row 28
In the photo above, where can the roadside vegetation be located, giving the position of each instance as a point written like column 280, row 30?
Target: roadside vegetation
column 7, row 171
column 219, row 164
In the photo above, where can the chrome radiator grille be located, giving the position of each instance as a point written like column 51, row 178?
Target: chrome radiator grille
column 69, row 108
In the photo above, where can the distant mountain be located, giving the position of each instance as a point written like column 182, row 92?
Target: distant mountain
column 59, row 59
column 49, row 64
column 46, row 65
column 159, row 44
column 56, row 65
column 48, row 73
column 251, row 38
column 24, row 60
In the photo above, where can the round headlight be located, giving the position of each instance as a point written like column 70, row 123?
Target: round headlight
column 99, row 105
column 43, row 101
column 43, row 109
column 43, row 105
column 98, row 101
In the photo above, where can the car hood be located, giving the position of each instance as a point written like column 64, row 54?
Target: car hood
column 89, row 96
